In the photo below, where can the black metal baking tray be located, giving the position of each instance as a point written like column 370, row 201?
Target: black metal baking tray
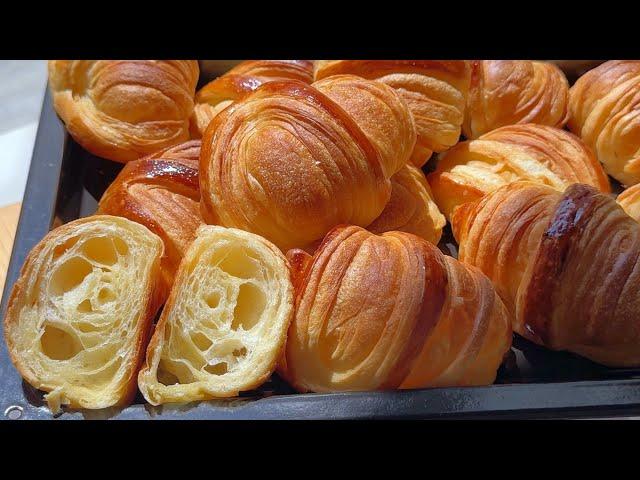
column 65, row 182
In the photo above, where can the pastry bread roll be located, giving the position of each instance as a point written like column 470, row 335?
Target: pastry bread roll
column 434, row 90
column 377, row 312
column 566, row 265
column 162, row 193
column 603, row 111
column 411, row 207
column 79, row 315
column 536, row 153
column 122, row 110
column 239, row 81
column 629, row 200
column 225, row 322
column 509, row 92
column 289, row 163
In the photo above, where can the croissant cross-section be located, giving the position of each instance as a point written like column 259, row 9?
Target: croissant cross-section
column 79, row 314
column 225, row 322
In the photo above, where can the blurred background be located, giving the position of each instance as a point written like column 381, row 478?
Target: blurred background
column 22, row 85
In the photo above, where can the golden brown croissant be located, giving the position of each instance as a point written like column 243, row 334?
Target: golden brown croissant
column 225, row 323
column 434, row 90
column 290, row 162
column 508, row 92
column 162, row 193
column 240, row 80
column 566, row 265
column 80, row 313
column 390, row 311
column 411, row 207
column 603, row 111
column 537, row 153
column 124, row 109
column 629, row 200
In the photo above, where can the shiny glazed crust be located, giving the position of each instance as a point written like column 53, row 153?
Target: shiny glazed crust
column 509, row 92
column 377, row 312
column 242, row 79
column 566, row 265
column 162, row 193
column 629, row 200
column 225, row 322
column 434, row 90
column 80, row 313
column 122, row 110
column 530, row 152
column 603, row 110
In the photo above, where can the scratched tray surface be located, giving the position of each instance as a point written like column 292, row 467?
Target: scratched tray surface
column 65, row 182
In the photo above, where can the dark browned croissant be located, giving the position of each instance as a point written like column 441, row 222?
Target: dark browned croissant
column 390, row 311
column 240, row 80
column 566, row 265
column 161, row 192
column 124, row 109
column 434, row 90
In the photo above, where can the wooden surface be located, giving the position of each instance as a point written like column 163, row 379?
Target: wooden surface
column 8, row 223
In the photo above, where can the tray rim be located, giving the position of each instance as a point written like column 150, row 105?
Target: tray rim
column 580, row 399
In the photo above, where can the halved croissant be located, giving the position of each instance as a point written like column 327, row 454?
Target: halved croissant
column 239, row 81
column 123, row 109
column 629, row 200
column 162, row 193
column 567, row 266
column 537, row 153
column 508, row 92
column 80, row 313
column 289, row 163
column 603, row 110
column 390, row 311
column 434, row 90
column 225, row 322
column 411, row 207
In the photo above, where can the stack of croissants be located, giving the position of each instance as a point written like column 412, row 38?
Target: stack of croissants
column 281, row 218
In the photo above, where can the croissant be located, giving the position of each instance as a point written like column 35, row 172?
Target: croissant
column 161, row 191
column 536, row 153
column 434, row 90
column 566, row 265
column 124, row 109
column 376, row 312
column 290, row 161
column 240, row 80
column 629, row 200
column 225, row 322
column 603, row 109
column 508, row 92
column 411, row 207
column 79, row 315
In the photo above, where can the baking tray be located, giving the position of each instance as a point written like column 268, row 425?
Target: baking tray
column 65, row 182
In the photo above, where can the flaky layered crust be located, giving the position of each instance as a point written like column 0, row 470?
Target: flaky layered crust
column 434, row 90
column 225, row 323
column 566, row 265
column 509, row 92
column 629, row 200
column 162, row 193
column 603, row 110
column 239, row 81
column 80, row 312
column 528, row 152
column 381, row 312
column 289, row 163
column 411, row 207
column 124, row 109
